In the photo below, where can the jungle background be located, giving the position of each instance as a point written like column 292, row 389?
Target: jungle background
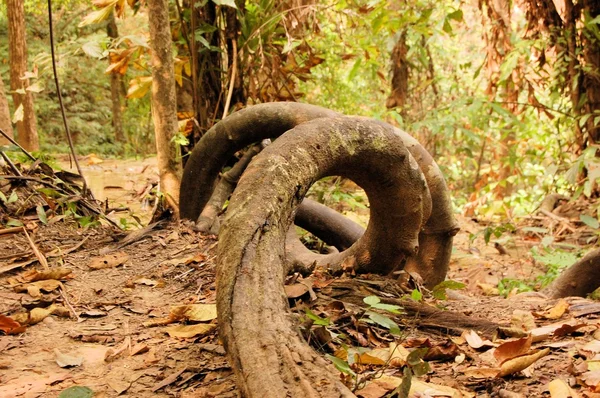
column 504, row 95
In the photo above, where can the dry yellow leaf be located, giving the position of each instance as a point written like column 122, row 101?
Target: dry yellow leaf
column 558, row 310
column 560, row 389
column 194, row 312
column 188, row 331
column 522, row 362
column 109, row 260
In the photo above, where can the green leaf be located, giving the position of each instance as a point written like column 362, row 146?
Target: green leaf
column 13, row 223
column 77, row 392
column 355, row 69
column 456, row 15
column 93, row 49
column 422, row 368
column 98, row 16
column 589, row 221
column 228, row 3
column 385, row 322
column 447, row 27
column 341, row 365
column 394, row 309
column 41, row 213
column 416, row 356
column 317, row 319
column 13, row 197
column 439, row 291
column 416, row 295
column 371, row 300
column 3, row 197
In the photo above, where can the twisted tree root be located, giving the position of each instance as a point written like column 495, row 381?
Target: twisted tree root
column 271, row 120
column 267, row 353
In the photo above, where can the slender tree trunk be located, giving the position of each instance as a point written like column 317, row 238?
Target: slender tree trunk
column 164, row 101
column 5, row 123
column 17, row 55
column 115, row 86
column 591, row 79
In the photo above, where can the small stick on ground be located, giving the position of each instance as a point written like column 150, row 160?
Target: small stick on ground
column 37, row 251
column 63, row 293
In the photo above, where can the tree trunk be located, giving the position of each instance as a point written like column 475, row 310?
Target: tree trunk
column 115, row 86
column 591, row 78
column 399, row 75
column 17, row 55
column 5, row 123
column 164, row 102
column 580, row 279
column 268, row 355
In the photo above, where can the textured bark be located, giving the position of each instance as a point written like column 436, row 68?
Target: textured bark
column 230, row 135
column 115, row 86
column 580, row 279
column 17, row 55
column 208, row 220
column 267, row 353
column 591, row 76
column 271, row 120
column 164, row 103
column 399, row 74
column 5, row 123
column 327, row 224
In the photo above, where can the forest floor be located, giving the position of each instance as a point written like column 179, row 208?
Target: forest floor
column 112, row 315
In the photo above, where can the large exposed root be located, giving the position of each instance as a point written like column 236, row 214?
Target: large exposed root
column 267, row 353
column 270, row 121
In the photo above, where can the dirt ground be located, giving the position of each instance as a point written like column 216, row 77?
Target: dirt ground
column 116, row 324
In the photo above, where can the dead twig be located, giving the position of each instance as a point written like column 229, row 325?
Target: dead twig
column 63, row 293
column 10, row 164
column 15, row 143
column 8, row 231
column 37, row 251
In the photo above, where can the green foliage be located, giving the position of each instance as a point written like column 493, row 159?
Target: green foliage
column 439, row 290
column 317, row 320
column 555, row 260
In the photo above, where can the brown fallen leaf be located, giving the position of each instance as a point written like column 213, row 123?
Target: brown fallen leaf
column 558, row 310
column 474, row 341
column 481, row 373
column 37, row 315
column 296, row 290
column 34, row 288
column 522, row 362
column 556, row 329
column 146, row 281
column 139, row 348
column 110, row 355
column 513, row 348
column 592, row 346
column 66, row 361
column 442, row 352
column 10, row 326
column 188, row 331
column 53, row 273
column 523, row 320
column 109, row 261
column 193, row 312
column 168, row 380
column 592, row 379
column 560, row 389
column 366, row 359
column 30, row 385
